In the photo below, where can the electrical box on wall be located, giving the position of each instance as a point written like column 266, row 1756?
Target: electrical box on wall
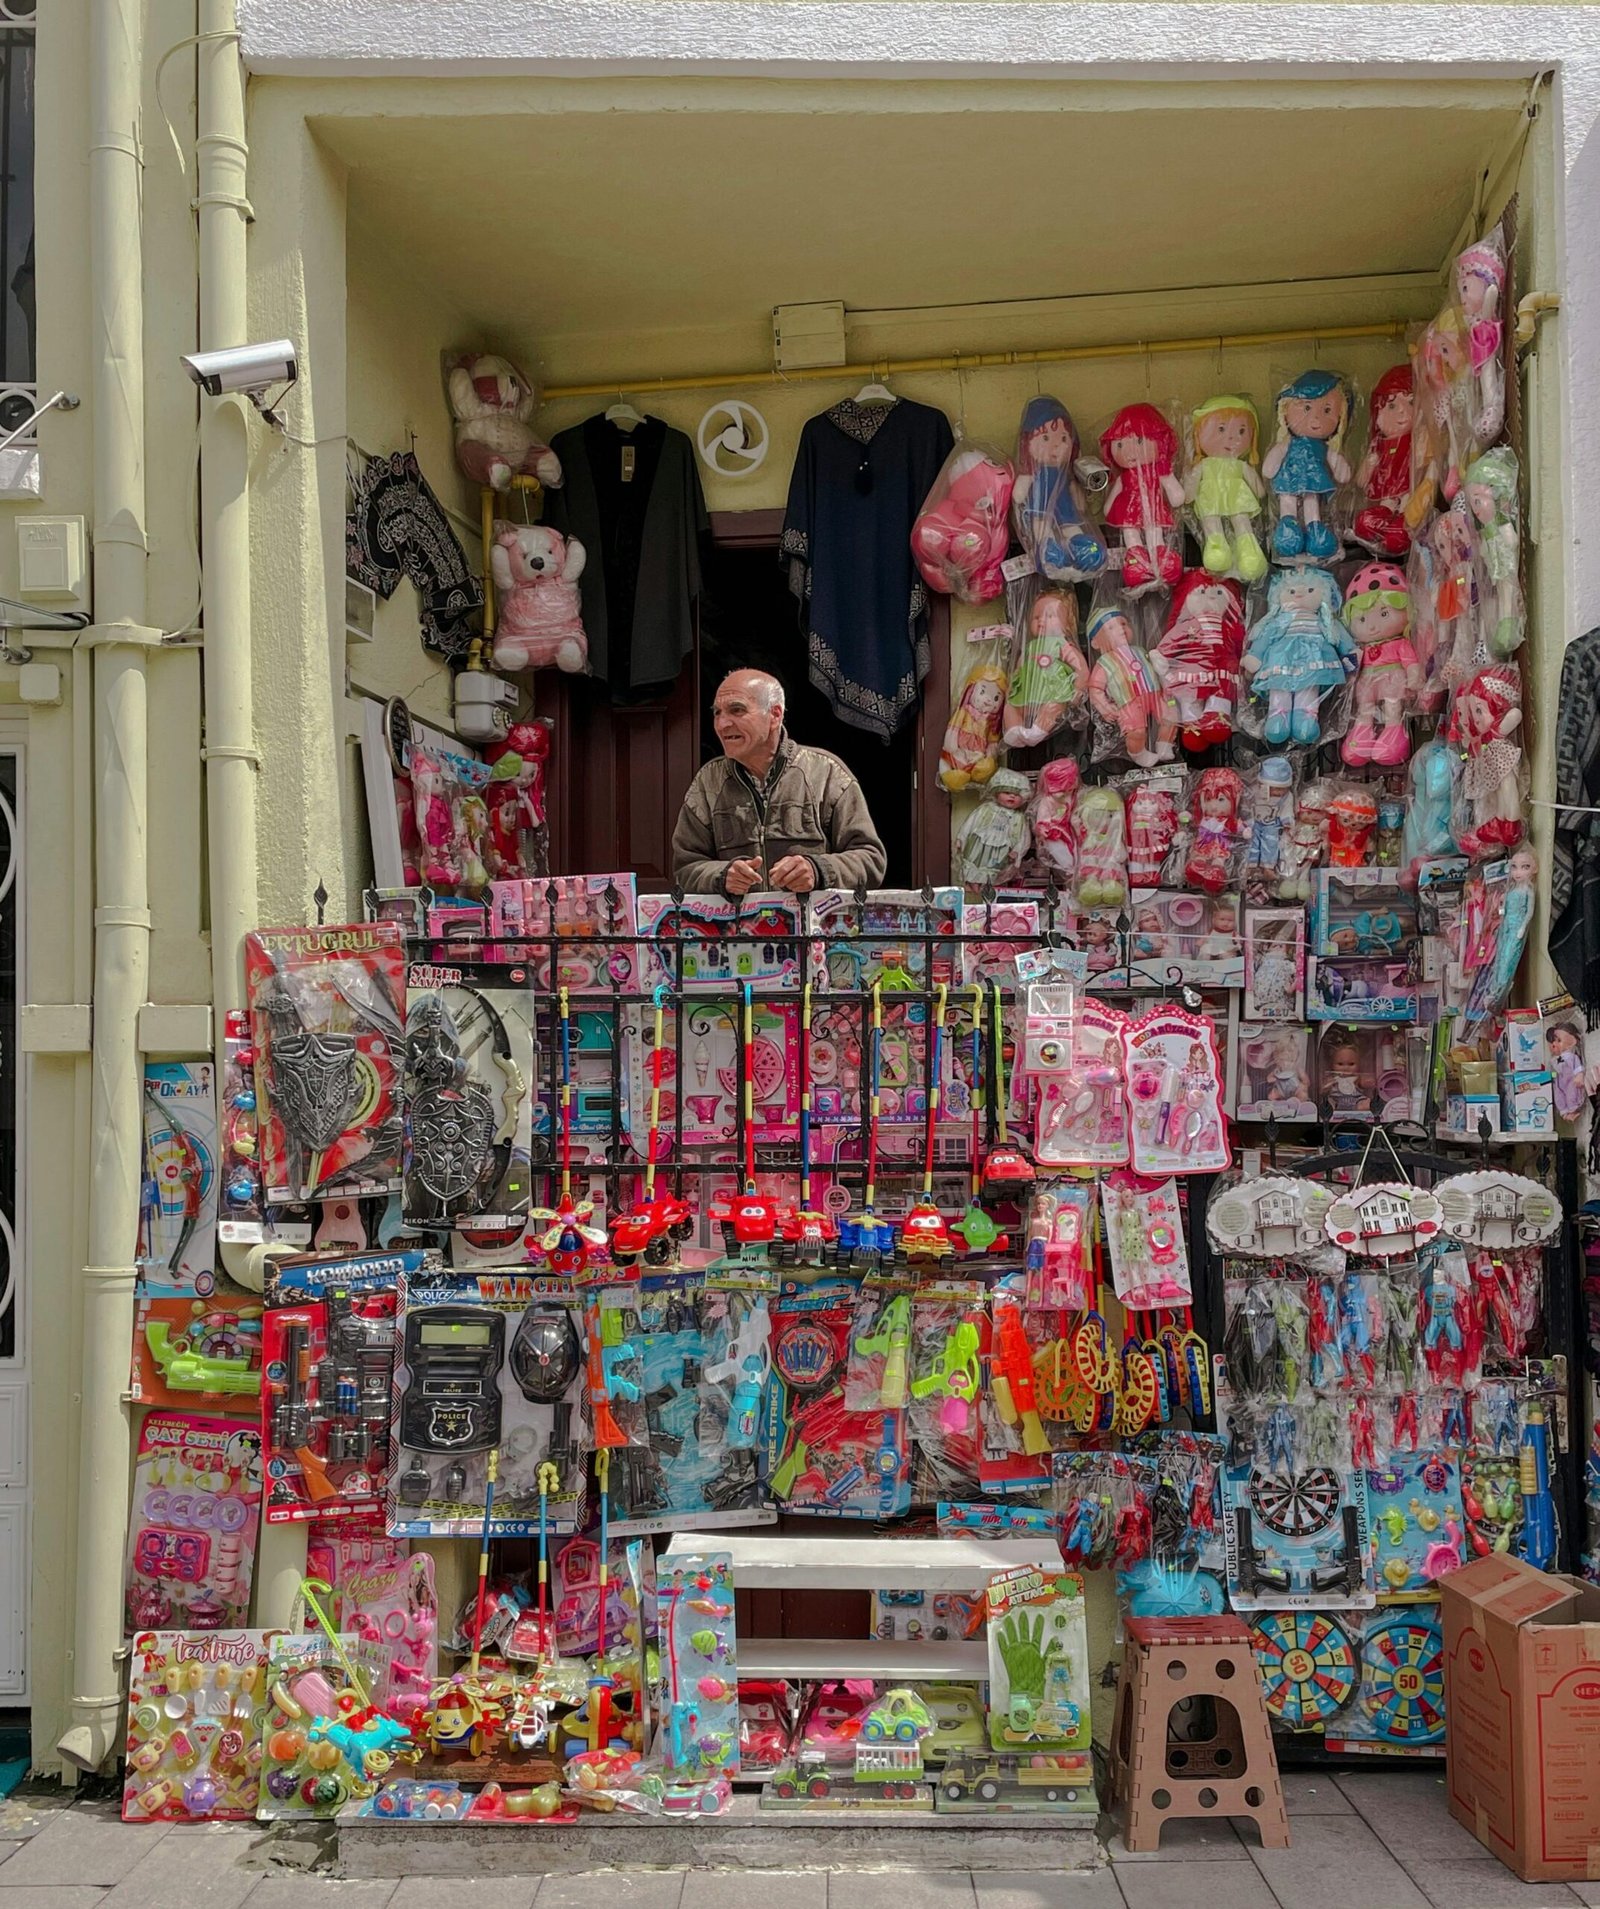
column 805, row 335
column 52, row 560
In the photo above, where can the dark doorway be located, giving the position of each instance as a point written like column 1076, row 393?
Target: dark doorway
column 749, row 620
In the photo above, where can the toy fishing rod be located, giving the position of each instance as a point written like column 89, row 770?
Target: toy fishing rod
column 874, row 1099
column 657, row 1064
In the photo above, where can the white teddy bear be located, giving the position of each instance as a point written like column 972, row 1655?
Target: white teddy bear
column 539, row 622
column 493, row 405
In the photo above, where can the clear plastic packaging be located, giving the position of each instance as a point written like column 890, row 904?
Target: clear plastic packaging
column 1298, row 661
column 1140, row 448
column 1441, row 440
column 1175, row 1093
column 994, row 839
column 1102, row 849
column 1384, row 474
column 1048, row 671
column 1154, row 806
column 1306, row 466
column 1224, row 487
column 1491, row 496
column 1049, row 508
column 1430, row 807
column 1135, row 715
column 1481, row 289
column 1072, row 1056
column 971, row 751
column 1053, row 820
column 1269, row 811
column 962, row 531
column 1198, row 656
column 1377, row 613
column 1215, row 801
column 1486, row 724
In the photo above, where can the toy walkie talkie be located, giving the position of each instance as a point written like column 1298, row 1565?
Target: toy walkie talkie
column 452, row 1402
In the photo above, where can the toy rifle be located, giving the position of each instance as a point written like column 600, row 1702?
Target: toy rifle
column 1011, row 1378
column 606, row 1350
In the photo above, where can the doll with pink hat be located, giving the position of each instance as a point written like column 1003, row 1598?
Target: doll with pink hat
column 1377, row 613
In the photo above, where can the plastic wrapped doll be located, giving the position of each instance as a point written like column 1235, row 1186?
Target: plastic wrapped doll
column 1441, row 440
column 1224, row 487
column 972, row 736
column 1305, row 467
column 1102, row 849
column 1385, row 472
column 474, row 839
column 1565, row 1041
column 1491, row 493
column 1198, row 656
column 1453, row 592
column 1140, row 447
column 993, row 842
column 960, row 537
column 1215, row 801
column 1428, row 833
column 1152, row 827
column 1306, row 846
column 1424, row 626
column 1486, row 723
column 1048, row 671
column 1352, row 812
column 1269, row 809
column 1297, row 653
column 1125, row 691
column 1481, row 286
column 1048, row 507
column 1345, row 1087
column 1377, row 613
column 1491, row 985
column 432, row 787
column 515, row 795
column 1055, row 828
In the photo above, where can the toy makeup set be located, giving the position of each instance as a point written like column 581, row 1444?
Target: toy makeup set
column 196, row 1510
column 1072, row 1060
column 707, row 1076
column 1174, row 1081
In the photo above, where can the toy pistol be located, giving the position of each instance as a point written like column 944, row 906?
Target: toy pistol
column 746, row 1362
column 953, row 1376
column 891, row 1336
column 1011, row 1379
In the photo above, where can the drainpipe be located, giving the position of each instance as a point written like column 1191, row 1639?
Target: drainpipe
column 122, row 914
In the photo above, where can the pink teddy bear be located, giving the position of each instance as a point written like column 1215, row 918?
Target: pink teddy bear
column 539, row 622
column 960, row 538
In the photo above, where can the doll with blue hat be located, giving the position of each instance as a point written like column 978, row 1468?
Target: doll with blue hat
column 1306, row 466
column 1048, row 505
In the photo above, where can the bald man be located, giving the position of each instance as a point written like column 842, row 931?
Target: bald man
column 771, row 813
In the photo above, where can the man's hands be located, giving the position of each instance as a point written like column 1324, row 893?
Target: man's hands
column 793, row 873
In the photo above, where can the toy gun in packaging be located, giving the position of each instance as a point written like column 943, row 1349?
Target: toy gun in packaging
column 746, row 1362
column 1011, row 1379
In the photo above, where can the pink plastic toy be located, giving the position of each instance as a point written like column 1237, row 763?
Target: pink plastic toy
column 431, row 790
column 515, row 795
column 1152, row 824
column 1141, row 447
column 960, row 538
column 536, row 572
column 1378, row 616
column 494, row 405
column 1485, row 721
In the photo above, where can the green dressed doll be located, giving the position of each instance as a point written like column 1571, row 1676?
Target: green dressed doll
column 1224, row 488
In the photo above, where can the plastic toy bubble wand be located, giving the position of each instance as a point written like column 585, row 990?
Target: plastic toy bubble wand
column 483, row 1562
column 549, row 1480
column 935, row 1062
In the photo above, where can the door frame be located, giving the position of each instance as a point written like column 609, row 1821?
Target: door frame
column 930, row 815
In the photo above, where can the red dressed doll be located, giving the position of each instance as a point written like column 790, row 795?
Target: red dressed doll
column 1198, row 656
column 515, row 798
column 1141, row 447
column 1385, row 473
column 1214, row 804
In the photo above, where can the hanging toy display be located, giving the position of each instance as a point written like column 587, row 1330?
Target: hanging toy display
column 1298, row 655
column 1224, row 487
column 1198, row 656
column 1384, row 475
column 1048, row 670
column 1140, row 448
column 1305, row 466
column 1049, row 510
column 959, row 538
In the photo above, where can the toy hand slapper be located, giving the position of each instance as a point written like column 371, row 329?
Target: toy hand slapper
column 1175, row 1091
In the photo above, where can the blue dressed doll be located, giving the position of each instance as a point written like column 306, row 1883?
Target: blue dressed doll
column 1297, row 653
column 1306, row 466
column 1048, row 506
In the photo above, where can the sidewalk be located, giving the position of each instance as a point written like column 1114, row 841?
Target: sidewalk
column 1379, row 1840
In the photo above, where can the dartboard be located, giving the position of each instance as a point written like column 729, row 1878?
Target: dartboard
column 1298, row 1506
column 1402, row 1670
column 1308, row 1665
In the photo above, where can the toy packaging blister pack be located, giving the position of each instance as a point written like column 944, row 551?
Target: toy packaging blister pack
column 1397, row 1702
column 389, row 1602
column 949, row 1332
column 178, row 1211
column 328, row 1341
column 240, row 1204
column 580, row 911
column 822, row 1457
column 724, row 941
column 706, row 1075
column 324, row 1745
column 1038, row 1661
column 196, row 1705
column 1418, row 1526
column 327, row 1010
column 486, row 1362
column 1144, row 1233
column 1175, row 1089
column 854, row 945
column 198, row 1352
column 192, row 1535
column 1185, row 936
column 1072, row 1061
column 700, row 1698
column 470, row 1062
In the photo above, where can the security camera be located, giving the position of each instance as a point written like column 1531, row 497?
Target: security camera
column 250, row 369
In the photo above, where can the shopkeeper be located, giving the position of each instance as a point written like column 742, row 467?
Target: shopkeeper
column 771, row 813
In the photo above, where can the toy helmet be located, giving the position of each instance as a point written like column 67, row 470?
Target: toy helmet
column 544, row 1355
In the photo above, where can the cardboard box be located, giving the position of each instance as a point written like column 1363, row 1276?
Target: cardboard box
column 1522, row 1715
column 1527, row 1106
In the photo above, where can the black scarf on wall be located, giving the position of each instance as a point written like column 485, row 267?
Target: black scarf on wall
column 397, row 528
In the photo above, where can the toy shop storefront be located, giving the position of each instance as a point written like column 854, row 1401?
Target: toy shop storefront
column 767, row 1360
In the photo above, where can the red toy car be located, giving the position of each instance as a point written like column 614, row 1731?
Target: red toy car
column 650, row 1230
column 809, row 1233
column 748, row 1219
column 925, row 1233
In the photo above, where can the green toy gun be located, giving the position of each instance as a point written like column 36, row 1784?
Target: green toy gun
column 953, row 1377
column 186, row 1370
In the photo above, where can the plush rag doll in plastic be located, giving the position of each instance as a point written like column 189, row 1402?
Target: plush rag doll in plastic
column 1305, row 467
column 994, row 839
column 1102, row 849
column 1297, row 653
column 1224, row 487
column 1481, row 287
column 540, row 621
column 1385, row 473
column 1441, row 442
column 971, row 749
column 1125, row 691
column 1198, row 656
column 493, row 405
column 1152, row 827
column 433, row 790
column 959, row 540
column 1377, row 612
column 1491, row 494
column 1428, row 833
column 1215, row 802
column 1048, row 507
column 1452, row 587
column 1269, row 809
column 1049, row 673
column 1486, row 722
column 515, row 795
column 1055, row 829
column 1140, row 447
